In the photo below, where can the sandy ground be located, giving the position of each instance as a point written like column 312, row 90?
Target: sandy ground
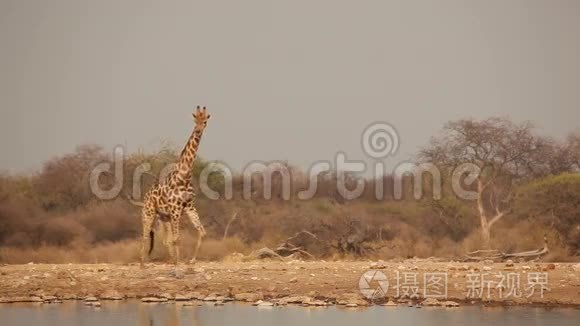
column 319, row 281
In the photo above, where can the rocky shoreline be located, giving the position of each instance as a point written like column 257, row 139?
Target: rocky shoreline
column 280, row 283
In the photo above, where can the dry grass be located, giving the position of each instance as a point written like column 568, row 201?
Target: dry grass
column 108, row 232
column 118, row 252
column 408, row 244
column 51, row 217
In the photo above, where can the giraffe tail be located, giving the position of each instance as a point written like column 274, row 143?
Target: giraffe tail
column 151, row 241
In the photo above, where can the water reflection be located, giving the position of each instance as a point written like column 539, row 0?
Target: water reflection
column 167, row 314
column 173, row 314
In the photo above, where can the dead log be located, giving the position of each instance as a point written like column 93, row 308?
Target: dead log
column 532, row 253
column 495, row 255
column 288, row 248
column 266, row 253
column 356, row 241
column 296, row 252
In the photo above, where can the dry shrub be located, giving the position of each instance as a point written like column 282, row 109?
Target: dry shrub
column 218, row 249
column 12, row 255
column 51, row 217
column 448, row 248
column 125, row 251
column 63, row 181
column 111, row 221
column 119, row 252
column 517, row 236
column 61, row 231
column 211, row 249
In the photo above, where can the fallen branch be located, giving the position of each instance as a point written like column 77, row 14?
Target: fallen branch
column 480, row 251
column 294, row 251
column 531, row 253
column 500, row 256
column 265, row 253
column 287, row 248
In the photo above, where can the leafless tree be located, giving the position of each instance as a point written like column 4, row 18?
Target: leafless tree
column 506, row 154
column 573, row 146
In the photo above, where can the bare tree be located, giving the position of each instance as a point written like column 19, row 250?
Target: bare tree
column 573, row 146
column 227, row 228
column 506, row 154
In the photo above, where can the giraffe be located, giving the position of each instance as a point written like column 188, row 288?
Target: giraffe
column 173, row 197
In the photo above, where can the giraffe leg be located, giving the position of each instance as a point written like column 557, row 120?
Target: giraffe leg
column 175, row 217
column 193, row 216
column 147, row 220
column 168, row 238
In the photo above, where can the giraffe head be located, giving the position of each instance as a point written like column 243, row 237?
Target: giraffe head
column 200, row 116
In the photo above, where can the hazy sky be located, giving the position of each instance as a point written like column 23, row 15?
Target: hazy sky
column 290, row 80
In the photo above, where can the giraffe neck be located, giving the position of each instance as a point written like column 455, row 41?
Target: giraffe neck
column 187, row 157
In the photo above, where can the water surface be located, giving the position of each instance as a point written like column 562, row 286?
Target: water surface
column 136, row 313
